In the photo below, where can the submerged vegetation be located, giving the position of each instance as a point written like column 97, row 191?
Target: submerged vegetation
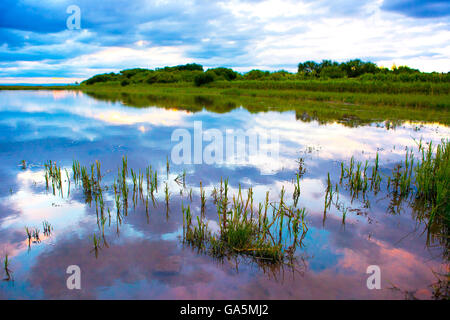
column 422, row 180
column 269, row 236
column 269, row 231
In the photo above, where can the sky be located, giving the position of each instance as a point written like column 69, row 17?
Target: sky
column 36, row 45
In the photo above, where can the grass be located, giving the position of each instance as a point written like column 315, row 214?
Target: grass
column 47, row 228
column 271, row 231
column 267, row 236
column 324, row 101
column 432, row 182
column 96, row 245
column 243, row 233
column 6, row 268
column 422, row 180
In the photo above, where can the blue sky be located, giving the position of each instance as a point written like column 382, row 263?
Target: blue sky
column 36, row 45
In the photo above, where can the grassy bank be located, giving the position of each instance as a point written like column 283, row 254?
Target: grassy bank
column 349, row 101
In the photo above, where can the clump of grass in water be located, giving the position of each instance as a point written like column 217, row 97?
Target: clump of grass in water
column 53, row 174
column 35, row 234
column 240, row 233
column 432, row 181
column 47, row 227
column 423, row 179
column 29, row 235
column 96, row 244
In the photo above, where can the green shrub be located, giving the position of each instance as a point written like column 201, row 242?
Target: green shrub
column 332, row 72
column 203, row 78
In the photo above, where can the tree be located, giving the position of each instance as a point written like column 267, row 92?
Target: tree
column 255, row 74
column 308, row 67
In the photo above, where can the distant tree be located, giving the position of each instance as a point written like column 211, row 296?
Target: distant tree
column 355, row 68
column 308, row 68
column 188, row 67
column 256, row 74
column 280, row 75
column 404, row 69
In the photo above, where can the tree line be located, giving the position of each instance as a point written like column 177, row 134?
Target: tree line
column 307, row 70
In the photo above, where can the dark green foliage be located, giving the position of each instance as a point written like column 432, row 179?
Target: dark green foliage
column 101, row 78
column 355, row 68
column 203, row 78
column 380, row 78
column 332, row 72
column 309, row 68
column 186, row 67
column 256, row 74
column 224, row 73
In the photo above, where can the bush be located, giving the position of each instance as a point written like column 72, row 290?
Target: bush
column 332, row 72
column 224, row 73
column 203, row 78
column 101, row 78
column 255, row 75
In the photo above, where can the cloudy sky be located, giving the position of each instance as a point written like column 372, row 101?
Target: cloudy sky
column 36, row 45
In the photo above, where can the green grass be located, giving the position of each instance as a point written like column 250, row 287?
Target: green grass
column 272, row 231
column 421, row 179
column 6, row 265
column 269, row 237
column 431, row 175
column 349, row 101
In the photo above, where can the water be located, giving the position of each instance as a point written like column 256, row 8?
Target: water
column 146, row 258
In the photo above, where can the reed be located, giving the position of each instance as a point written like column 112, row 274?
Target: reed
column 202, row 199
column 243, row 233
column 29, row 235
column 47, row 228
column 35, row 234
column 96, row 246
column 432, row 181
column 167, row 166
column 6, row 268
column 166, row 195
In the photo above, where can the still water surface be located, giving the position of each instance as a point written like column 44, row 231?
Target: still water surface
column 146, row 258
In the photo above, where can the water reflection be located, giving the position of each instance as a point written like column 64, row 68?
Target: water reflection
column 145, row 257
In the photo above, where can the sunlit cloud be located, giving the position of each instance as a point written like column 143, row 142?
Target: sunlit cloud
column 35, row 45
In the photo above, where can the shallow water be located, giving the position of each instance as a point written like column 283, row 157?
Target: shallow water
column 146, row 257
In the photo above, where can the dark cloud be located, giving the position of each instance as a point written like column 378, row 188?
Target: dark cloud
column 204, row 31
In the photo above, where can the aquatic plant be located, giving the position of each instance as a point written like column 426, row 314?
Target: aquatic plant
column 241, row 233
column 8, row 272
column 47, row 228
